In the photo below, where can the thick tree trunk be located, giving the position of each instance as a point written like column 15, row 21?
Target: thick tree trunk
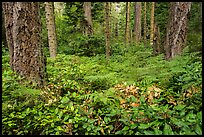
column 51, row 29
column 107, row 29
column 3, row 31
column 88, row 18
column 127, row 26
column 145, row 25
column 23, row 30
column 137, row 26
column 177, row 28
column 8, row 20
column 152, row 25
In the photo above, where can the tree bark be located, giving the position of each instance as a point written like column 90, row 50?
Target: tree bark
column 23, row 30
column 88, row 18
column 3, row 31
column 152, row 25
column 177, row 29
column 116, row 25
column 137, row 26
column 156, row 40
column 107, row 29
column 51, row 29
column 8, row 20
column 145, row 25
column 127, row 26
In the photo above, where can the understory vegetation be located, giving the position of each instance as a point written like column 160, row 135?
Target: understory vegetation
column 135, row 94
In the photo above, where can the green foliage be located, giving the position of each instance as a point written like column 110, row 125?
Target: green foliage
column 80, row 99
column 85, row 46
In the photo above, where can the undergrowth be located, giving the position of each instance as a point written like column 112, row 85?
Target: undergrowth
column 136, row 94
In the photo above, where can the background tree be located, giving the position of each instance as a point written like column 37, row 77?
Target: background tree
column 88, row 18
column 51, row 28
column 137, row 26
column 177, row 28
column 127, row 26
column 116, row 19
column 23, row 29
column 145, row 25
column 152, row 25
column 107, row 29
column 156, row 40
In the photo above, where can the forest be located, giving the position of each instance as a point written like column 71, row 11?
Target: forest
column 101, row 68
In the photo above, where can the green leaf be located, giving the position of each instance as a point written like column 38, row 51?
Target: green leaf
column 66, row 117
column 74, row 94
column 12, row 115
column 75, row 125
column 53, row 125
column 65, row 100
column 73, row 8
column 142, row 99
column 147, row 132
column 72, row 108
column 118, row 132
column 56, row 110
column 199, row 116
column 167, row 130
column 133, row 126
column 89, row 128
column 57, row 133
column 125, row 128
column 179, row 107
column 144, row 126
column 157, row 131
column 178, row 123
column 60, row 114
column 85, row 125
column 106, row 119
column 59, row 128
column 198, row 130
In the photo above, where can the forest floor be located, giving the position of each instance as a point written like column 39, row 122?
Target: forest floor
column 136, row 93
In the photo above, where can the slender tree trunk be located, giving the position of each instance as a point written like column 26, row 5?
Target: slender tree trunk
column 88, row 18
column 107, row 29
column 152, row 24
column 8, row 20
column 156, row 40
column 137, row 26
column 145, row 25
column 51, row 29
column 177, row 28
column 116, row 25
column 127, row 26
column 23, row 26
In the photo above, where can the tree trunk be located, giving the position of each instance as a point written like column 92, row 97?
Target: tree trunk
column 156, row 40
column 51, row 29
column 107, row 29
column 152, row 25
column 145, row 25
column 23, row 30
column 177, row 28
column 8, row 20
column 116, row 25
column 88, row 18
column 127, row 26
column 137, row 26
column 3, row 31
